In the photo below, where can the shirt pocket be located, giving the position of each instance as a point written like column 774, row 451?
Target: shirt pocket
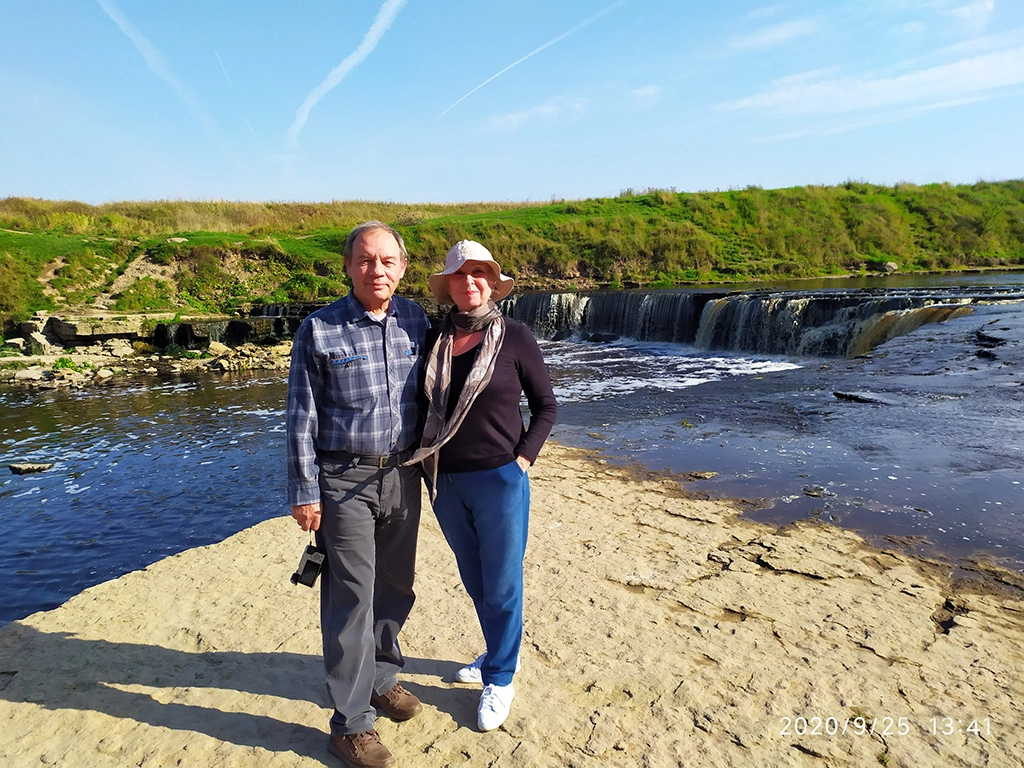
column 350, row 379
column 407, row 357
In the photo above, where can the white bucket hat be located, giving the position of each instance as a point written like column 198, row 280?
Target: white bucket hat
column 461, row 252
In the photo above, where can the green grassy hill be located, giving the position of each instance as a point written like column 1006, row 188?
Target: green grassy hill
column 215, row 256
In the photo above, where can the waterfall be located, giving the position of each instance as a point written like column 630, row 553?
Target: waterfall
column 824, row 323
column 285, row 310
column 199, row 334
column 190, row 335
column 647, row 315
column 879, row 329
column 834, row 325
column 549, row 315
column 262, row 324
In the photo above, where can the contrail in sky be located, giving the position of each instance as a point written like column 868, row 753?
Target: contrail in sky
column 156, row 63
column 385, row 18
column 232, row 87
column 548, row 44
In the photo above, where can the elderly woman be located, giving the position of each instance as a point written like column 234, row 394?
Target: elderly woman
column 476, row 453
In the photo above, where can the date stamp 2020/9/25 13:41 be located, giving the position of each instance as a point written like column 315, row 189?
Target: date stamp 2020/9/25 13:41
column 883, row 726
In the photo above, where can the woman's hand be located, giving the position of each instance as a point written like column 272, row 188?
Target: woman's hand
column 307, row 516
column 523, row 462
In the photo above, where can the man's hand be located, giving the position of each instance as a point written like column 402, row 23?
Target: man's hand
column 523, row 462
column 307, row 516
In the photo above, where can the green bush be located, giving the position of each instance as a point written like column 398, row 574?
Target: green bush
column 65, row 363
column 302, row 287
column 69, row 223
column 6, row 351
column 146, row 293
column 21, row 293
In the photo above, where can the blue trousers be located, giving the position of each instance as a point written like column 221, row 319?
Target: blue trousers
column 484, row 516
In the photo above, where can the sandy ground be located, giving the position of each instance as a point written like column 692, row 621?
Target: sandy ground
column 660, row 631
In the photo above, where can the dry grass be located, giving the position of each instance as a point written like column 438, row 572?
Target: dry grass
column 149, row 218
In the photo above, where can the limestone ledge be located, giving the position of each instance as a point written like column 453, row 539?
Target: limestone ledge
column 74, row 351
column 113, row 362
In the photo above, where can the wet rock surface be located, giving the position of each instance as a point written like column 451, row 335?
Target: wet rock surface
column 111, row 359
column 863, row 397
column 75, row 352
column 28, row 468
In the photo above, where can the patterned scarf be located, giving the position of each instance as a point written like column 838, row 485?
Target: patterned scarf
column 438, row 430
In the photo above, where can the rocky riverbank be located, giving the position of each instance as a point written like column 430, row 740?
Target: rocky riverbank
column 68, row 350
column 74, row 352
column 76, row 369
column 661, row 630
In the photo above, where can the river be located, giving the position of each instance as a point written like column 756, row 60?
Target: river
column 934, row 462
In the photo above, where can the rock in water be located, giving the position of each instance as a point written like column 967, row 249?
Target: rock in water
column 701, row 475
column 863, row 397
column 26, row 469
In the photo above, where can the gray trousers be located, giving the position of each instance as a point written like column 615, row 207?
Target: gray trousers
column 368, row 527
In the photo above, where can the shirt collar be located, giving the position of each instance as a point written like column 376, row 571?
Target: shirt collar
column 358, row 311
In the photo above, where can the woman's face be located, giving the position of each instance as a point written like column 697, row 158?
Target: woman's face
column 471, row 286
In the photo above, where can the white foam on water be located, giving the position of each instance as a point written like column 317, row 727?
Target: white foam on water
column 583, row 371
column 174, row 388
column 269, row 412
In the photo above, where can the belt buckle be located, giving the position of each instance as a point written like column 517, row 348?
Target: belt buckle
column 382, row 462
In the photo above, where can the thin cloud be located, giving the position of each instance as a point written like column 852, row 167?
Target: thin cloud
column 156, row 63
column 884, row 118
column 558, row 107
column 764, row 11
column 947, row 82
column 535, row 51
column 646, row 95
column 994, row 42
column 647, row 91
column 910, row 28
column 977, row 13
column 385, row 18
column 777, row 34
column 232, row 87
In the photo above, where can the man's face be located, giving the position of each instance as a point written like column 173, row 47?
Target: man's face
column 376, row 266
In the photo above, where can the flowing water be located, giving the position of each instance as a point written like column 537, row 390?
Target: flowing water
column 140, row 472
column 935, row 457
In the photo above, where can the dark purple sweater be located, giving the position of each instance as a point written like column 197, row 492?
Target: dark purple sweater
column 493, row 433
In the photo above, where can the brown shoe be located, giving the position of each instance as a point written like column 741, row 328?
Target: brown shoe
column 397, row 703
column 361, row 750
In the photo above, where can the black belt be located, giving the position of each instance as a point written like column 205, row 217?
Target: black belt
column 380, row 462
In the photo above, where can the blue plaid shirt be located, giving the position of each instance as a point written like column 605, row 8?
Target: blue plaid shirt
column 352, row 387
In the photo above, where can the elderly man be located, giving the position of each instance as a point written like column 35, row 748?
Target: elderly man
column 353, row 418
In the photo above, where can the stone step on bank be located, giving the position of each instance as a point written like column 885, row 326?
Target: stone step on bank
column 73, row 351
column 161, row 329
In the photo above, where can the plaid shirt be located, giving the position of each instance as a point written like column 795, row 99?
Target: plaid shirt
column 352, row 387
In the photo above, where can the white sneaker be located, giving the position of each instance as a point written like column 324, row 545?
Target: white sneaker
column 495, row 702
column 471, row 672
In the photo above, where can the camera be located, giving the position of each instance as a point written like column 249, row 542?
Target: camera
column 309, row 566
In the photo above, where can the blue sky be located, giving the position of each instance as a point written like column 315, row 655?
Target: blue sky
column 460, row 100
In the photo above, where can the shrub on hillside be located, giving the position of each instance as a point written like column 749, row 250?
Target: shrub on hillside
column 146, row 293
column 69, row 223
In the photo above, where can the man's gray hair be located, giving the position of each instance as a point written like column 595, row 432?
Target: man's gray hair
column 368, row 226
